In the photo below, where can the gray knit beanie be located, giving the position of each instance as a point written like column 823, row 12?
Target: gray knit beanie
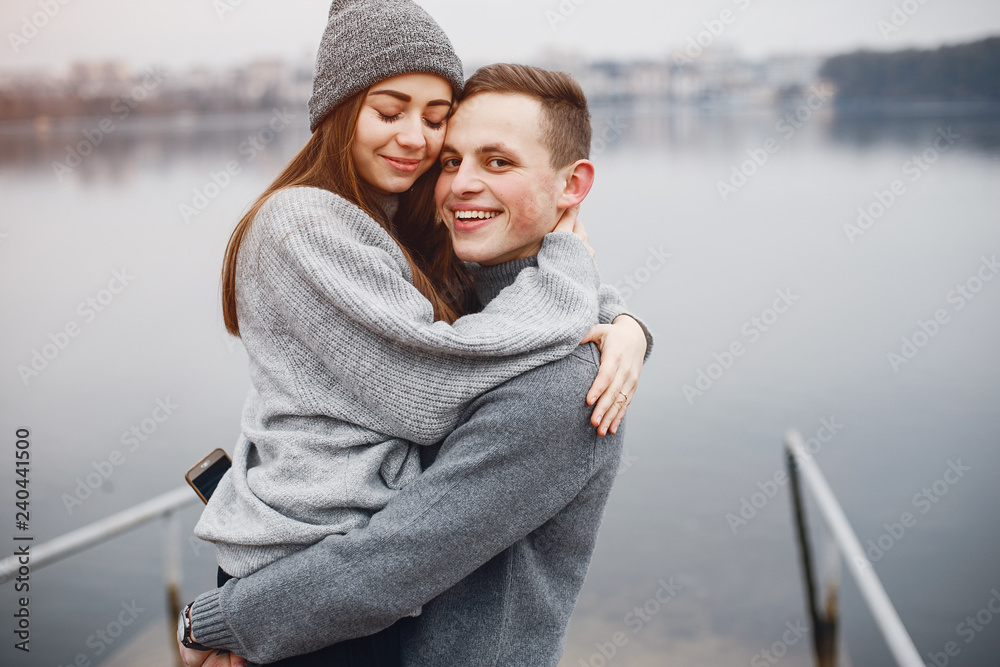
column 367, row 41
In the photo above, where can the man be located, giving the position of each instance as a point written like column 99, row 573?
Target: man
column 494, row 539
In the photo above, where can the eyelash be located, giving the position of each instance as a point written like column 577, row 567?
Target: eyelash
column 392, row 119
column 446, row 163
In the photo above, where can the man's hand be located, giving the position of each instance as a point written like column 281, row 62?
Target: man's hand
column 214, row 658
column 623, row 346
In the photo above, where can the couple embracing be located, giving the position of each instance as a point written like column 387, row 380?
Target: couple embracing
column 438, row 377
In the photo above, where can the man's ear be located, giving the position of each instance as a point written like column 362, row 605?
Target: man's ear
column 579, row 178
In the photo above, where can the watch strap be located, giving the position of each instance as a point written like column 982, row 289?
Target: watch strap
column 185, row 638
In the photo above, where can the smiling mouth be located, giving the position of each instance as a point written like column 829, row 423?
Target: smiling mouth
column 402, row 164
column 471, row 220
column 476, row 215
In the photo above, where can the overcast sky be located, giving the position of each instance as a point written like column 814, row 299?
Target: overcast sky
column 179, row 33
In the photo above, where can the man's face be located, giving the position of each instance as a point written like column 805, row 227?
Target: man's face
column 498, row 192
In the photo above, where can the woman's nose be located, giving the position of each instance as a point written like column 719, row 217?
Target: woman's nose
column 411, row 134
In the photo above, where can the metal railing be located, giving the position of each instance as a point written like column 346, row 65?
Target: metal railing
column 800, row 462
column 64, row 546
column 163, row 507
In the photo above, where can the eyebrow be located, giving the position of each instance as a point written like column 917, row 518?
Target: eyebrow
column 499, row 147
column 403, row 97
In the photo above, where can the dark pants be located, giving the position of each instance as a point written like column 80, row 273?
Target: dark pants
column 378, row 650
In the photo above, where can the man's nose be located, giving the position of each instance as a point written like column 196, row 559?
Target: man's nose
column 466, row 179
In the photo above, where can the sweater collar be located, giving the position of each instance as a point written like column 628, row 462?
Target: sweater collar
column 389, row 204
column 491, row 280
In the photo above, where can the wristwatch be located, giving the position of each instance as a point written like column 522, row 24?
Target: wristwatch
column 184, row 631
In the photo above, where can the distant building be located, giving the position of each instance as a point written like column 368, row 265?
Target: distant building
column 718, row 78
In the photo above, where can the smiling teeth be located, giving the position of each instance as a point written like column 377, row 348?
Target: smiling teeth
column 472, row 215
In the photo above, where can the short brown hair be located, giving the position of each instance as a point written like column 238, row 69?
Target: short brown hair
column 565, row 118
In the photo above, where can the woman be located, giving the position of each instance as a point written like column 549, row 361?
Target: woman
column 349, row 302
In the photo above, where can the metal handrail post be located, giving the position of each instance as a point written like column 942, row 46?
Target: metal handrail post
column 900, row 644
column 822, row 617
column 172, row 548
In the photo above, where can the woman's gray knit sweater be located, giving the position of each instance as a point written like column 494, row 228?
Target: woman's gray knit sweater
column 350, row 372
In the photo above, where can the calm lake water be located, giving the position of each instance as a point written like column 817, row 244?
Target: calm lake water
column 696, row 509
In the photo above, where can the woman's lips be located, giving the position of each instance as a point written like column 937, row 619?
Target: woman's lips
column 402, row 164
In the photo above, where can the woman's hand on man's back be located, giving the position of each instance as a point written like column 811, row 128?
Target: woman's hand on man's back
column 623, row 346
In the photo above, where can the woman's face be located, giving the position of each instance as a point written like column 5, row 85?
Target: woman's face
column 400, row 130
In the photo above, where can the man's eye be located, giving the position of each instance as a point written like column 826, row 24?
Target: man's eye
column 498, row 163
column 451, row 163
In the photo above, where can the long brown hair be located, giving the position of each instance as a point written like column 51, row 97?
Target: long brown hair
column 325, row 162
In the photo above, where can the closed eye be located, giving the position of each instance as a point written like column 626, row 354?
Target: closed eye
column 388, row 119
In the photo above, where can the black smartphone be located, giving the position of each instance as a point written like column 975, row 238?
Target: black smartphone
column 205, row 475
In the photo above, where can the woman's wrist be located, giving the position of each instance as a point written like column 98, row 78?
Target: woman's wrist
column 631, row 321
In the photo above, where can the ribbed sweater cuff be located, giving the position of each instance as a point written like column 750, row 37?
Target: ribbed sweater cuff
column 578, row 260
column 609, row 311
column 208, row 623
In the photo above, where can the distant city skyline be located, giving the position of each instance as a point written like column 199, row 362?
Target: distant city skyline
column 183, row 33
column 718, row 80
